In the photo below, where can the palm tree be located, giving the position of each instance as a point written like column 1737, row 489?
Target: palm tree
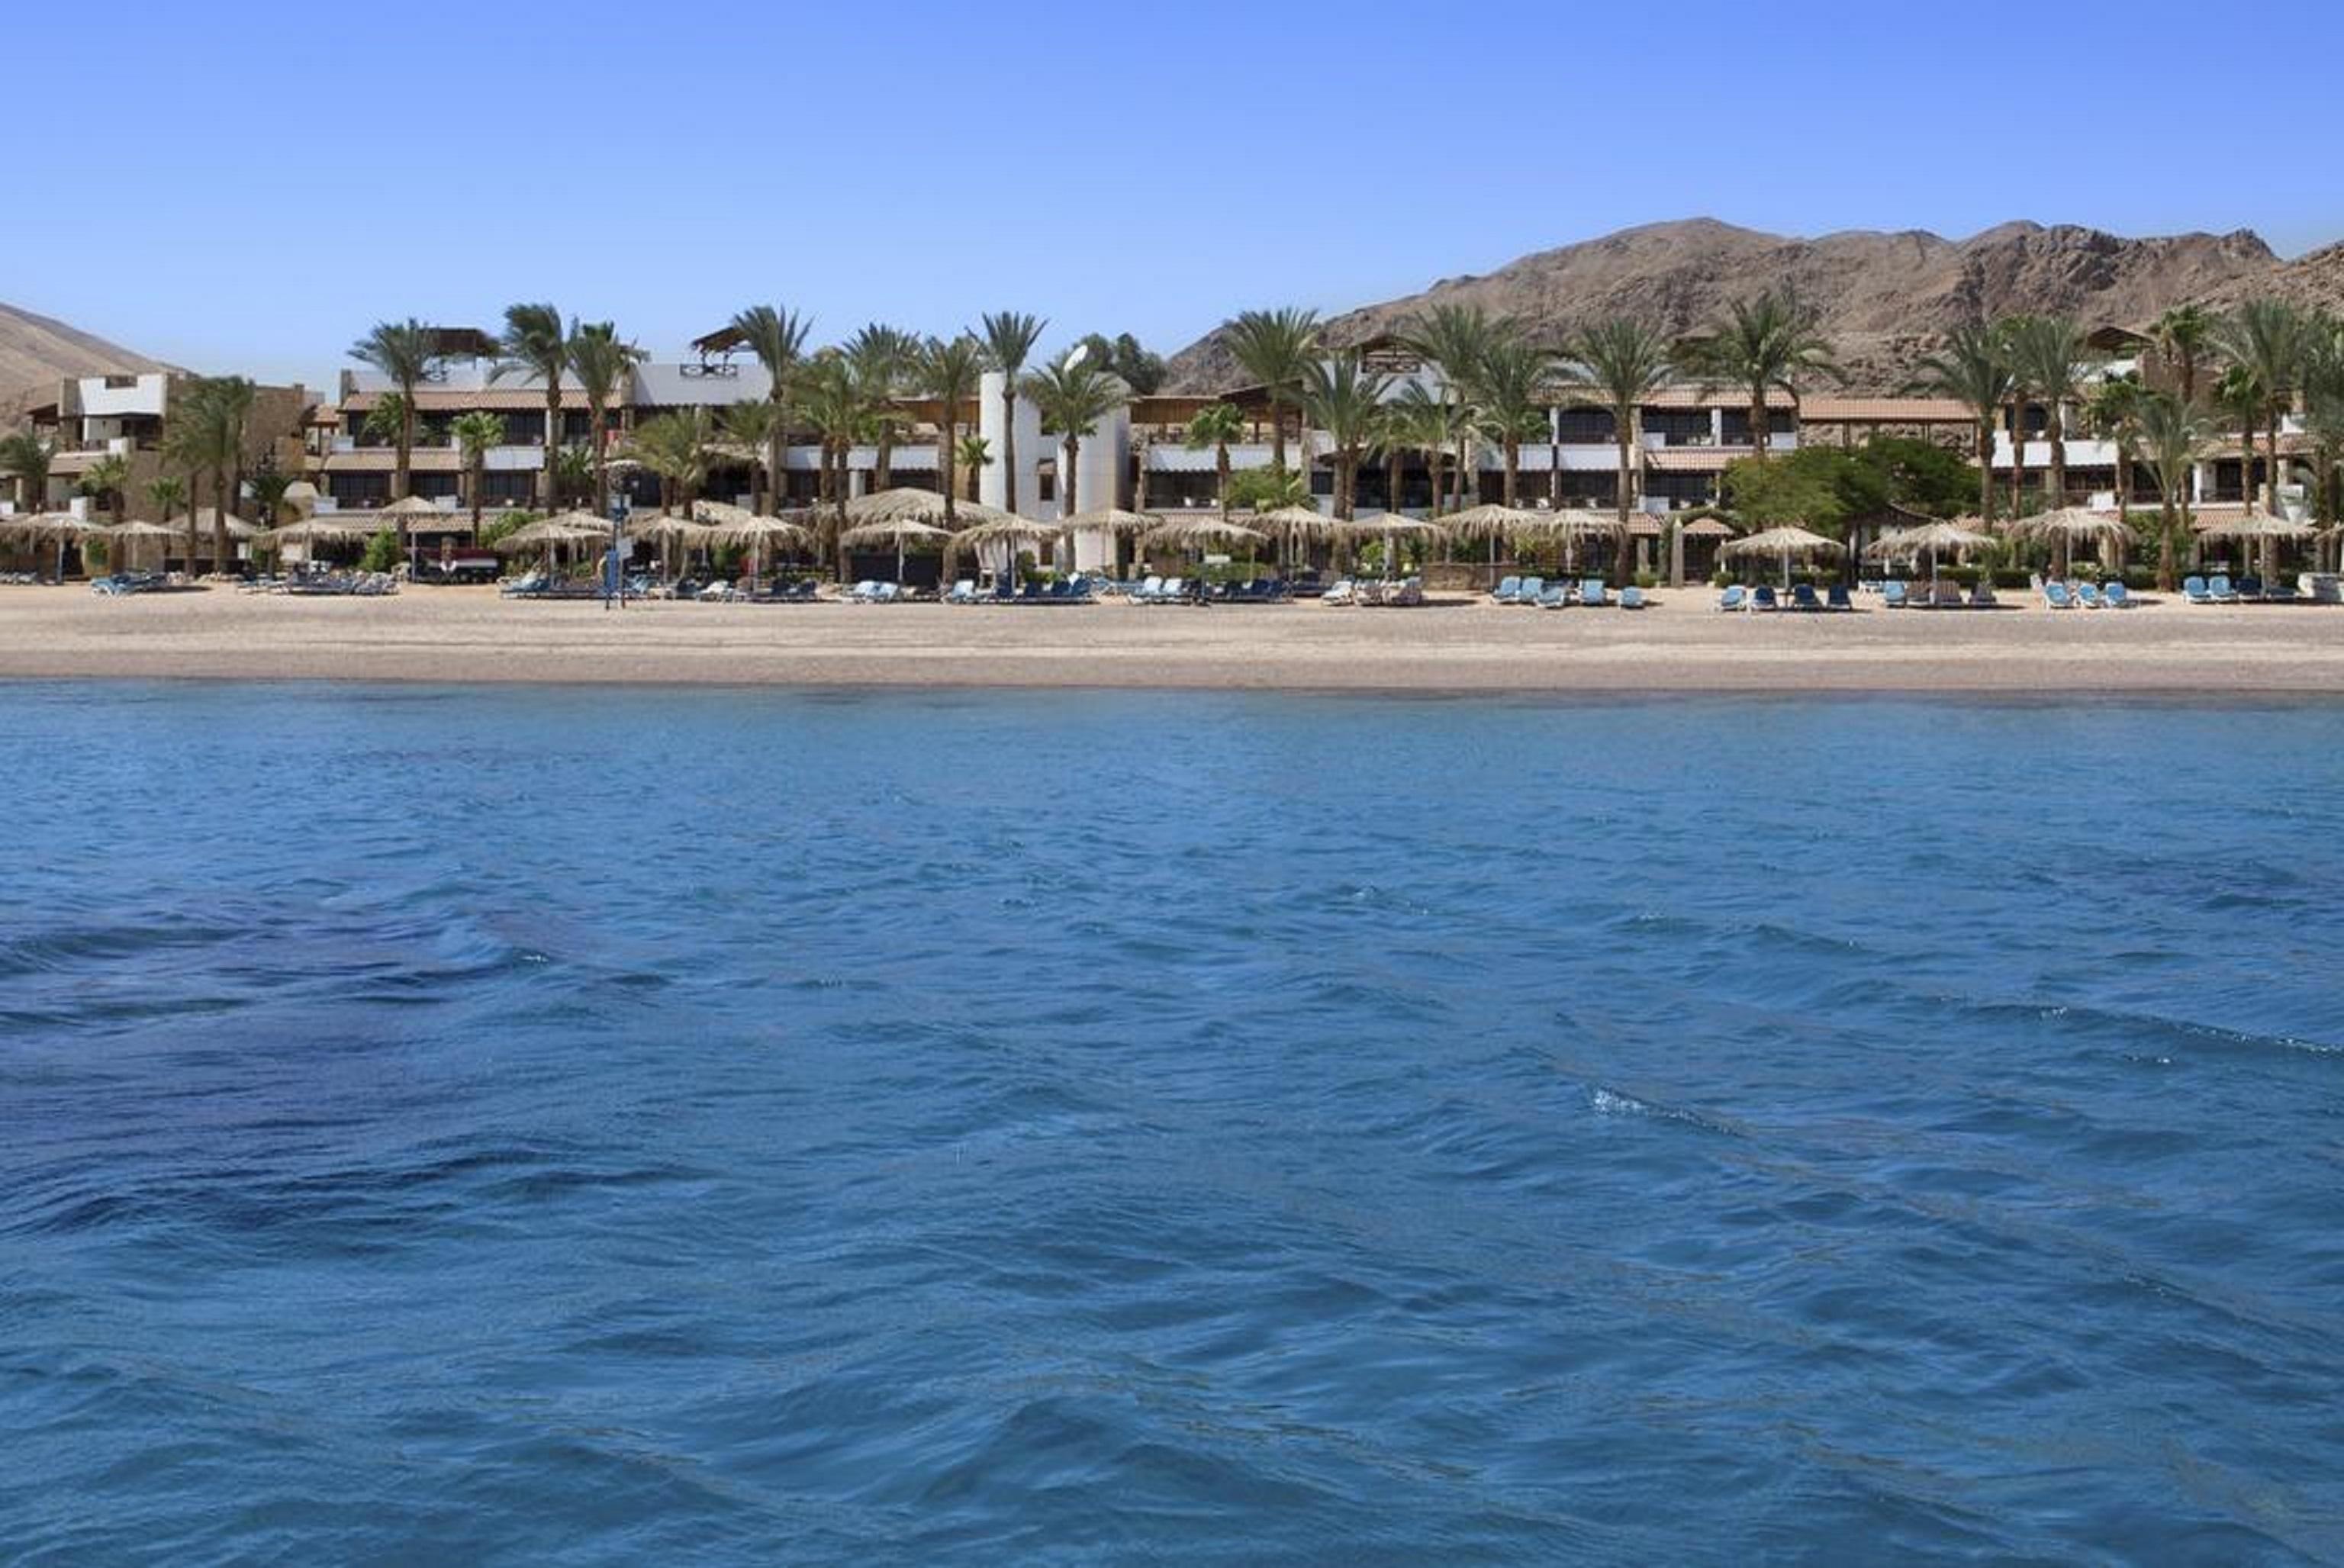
column 2239, row 395
column 601, row 360
column 534, row 344
column 2171, row 435
column 1009, row 338
column 166, row 493
column 102, row 482
column 952, row 370
column 1624, row 361
column 1277, row 349
column 1458, row 338
column 206, row 435
column 975, row 456
column 1216, row 425
column 675, row 446
column 832, row 400
column 749, row 427
column 2052, row 360
column 2267, row 339
column 1346, row 401
column 777, row 337
column 1073, row 394
column 1514, row 376
column 2323, row 409
column 1760, row 346
column 475, row 433
column 2112, row 408
column 1974, row 369
column 25, row 458
column 268, row 488
column 885, row 360
column 1435, row 421
column 2181, row 335
column 402, row 352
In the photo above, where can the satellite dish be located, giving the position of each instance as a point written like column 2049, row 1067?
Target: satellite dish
column 1075, row 356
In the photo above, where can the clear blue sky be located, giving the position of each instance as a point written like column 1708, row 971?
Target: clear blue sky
column 247, row 186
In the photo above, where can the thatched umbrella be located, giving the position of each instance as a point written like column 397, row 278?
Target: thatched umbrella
column 2063, row 526
column 2259, row 528
column 1786, row 543
column 401, row 515
column 1931, row 538
column 562, row 528
column 1190, row 533
column 1002, row 528
column 900, row 528
column 739, row 525
column 677, row 536
column 62, row 527
column 312, row 531
column 136, row 527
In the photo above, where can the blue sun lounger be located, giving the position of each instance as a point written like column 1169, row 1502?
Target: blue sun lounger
column 1735, row 597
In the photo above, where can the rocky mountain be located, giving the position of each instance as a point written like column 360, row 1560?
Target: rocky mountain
column 35, row 348
column 1884, row 298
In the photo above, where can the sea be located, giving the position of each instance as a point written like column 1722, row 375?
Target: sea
column 491, row 1125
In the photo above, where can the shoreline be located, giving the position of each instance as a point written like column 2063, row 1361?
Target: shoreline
column 1680, row 646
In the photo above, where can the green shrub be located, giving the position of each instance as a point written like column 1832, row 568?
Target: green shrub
column 383, row 552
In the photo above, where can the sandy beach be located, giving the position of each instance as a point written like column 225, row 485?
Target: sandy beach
column 1682, row 645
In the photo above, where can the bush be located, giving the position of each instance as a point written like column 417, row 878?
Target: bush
column 382, row 553
column 1648, row 579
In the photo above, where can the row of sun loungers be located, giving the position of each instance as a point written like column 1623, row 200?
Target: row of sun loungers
column 1587, row 594
column 1371, row 592
column 121, row 583
column 2085, row 596
column 2251, row 589
column 1065, row 590
column 1763, row 598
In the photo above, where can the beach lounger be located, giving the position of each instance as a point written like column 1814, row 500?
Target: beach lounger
column 1734, row 598
column 1592, row 593
column 1803, row 597
column 1892, row 595
column 2193, row 589
column 963, row 592
column 2116, row 597
column 1556, row 597
column 1176, row 589
column 1981, row 596
column 1508, row 590
column 1631, row 597
column 1837, row 598
column 1946, row 594
column 2280, row 594
column 2218, row 585
column 1341, row 592
column 2088, row 596
column 2055, row 596
column 2250, row 586
column 1530, row 591
column 1763, row 598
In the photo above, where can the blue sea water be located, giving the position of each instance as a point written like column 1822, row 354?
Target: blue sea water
column 596, row 1127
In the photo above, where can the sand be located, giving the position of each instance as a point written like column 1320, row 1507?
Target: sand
column 1682, row 644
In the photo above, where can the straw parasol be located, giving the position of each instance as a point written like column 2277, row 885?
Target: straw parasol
column 900, row 527
column 2258, row 525
column 2065, row 525
column 1785, row 542
column 1187, row 533
column 562, row 528
column 401, row 515
column 312, row 531
column 139, row 528
column 739, row 525
column 902, row 505
column 61, row 526
column 1006, row 528
column 1114, row 519
column 1929, row 538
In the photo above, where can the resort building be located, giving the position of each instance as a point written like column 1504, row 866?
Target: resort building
column 87, row 419
column 1139, row 456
